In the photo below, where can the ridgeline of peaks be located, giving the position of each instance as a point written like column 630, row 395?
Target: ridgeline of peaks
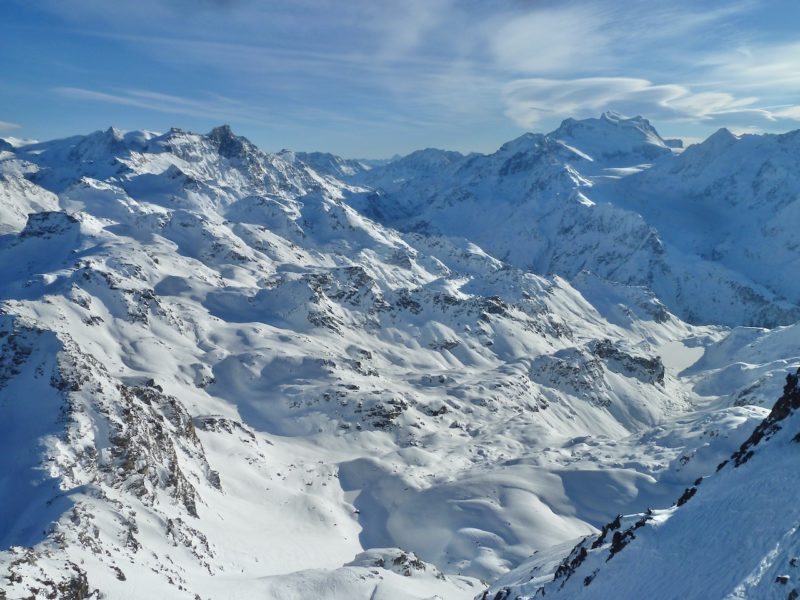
column 586, row 198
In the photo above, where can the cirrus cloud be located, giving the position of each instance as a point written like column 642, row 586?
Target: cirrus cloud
column 6, row 126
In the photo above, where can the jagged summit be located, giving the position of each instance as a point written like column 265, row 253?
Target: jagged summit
column 221, row 131
column 610, row 119
column 229, row 144
column 721, row 137
column 527, row 142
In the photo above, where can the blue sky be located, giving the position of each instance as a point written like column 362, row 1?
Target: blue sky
column 370, row 78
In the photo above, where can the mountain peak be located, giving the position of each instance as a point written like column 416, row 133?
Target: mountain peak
column 221, row 131
column 525, row 142
column 613, row 116
column 722, row 136
column 228, row 143
column 698, row 157
column 431, row 158
column 609, row 119
column 613, row 137
column 114, row 133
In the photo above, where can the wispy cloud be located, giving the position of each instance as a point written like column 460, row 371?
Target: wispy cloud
column 787, row 112
column 546, row 41
column 6, row 126
column 218, row 108
column 767, row 66
column 213, row 107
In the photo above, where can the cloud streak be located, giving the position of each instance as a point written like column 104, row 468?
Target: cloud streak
column 213, row 107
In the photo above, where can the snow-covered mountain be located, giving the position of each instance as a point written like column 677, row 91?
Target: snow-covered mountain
column 229, row 373
column 566, row 202
column 614, row 138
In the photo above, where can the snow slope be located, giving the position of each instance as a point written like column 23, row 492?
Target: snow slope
column 733, row 534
